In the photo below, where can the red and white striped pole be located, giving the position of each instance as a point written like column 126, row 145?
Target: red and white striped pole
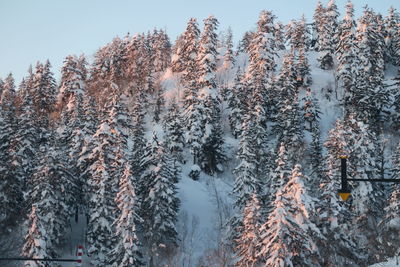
column 79, row 254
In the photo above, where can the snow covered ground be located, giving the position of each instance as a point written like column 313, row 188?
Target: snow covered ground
column 390, row 263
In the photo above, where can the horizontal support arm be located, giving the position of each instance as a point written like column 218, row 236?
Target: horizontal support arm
column 36, row 259
column 375, row 180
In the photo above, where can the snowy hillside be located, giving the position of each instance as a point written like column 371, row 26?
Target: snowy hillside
column 197, row 153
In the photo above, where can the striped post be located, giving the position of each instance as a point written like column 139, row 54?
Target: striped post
column 79, row 254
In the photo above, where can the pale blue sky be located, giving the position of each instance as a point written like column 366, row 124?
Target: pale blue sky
column 33, row 30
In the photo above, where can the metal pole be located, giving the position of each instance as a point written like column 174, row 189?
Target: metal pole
column 343, row 161
column 344, row 191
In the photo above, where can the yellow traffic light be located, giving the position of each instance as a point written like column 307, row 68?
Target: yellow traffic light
column 344, row 196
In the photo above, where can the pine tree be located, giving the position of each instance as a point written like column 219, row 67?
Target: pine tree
column 288, row 125
column 317, row 25
column 127, row 250
column 162, row 51
column 390, row 223
column 311, row 111
column 83, row 144
column 280, row 174
column 316, row 157
column 25, row 142
column 52, row 195
column 44, row 93
column 138, row 131
column 1, row 87
column 229, row 59
column 279, row 34
column 159, row 201
column 303, row 72
column 173, row 130
column 327, row 32
column 106, row 161
column 100, row 231
column 249, row 240
column 10, row 184
column 396, row 47
column 335, row 214
column 395, row 116
column 261, row 53
column 186, row 52
column 71, row 129
column 259, row 81
column 289, row 235
column 370, row 97
column 237, row 104
column 247, row 181
column 392, row 41
column 194, row 131
column 211, row 154
column 36, row 241
column 72, row 80
column 345, row 52
column 159, row 103
column 284, row 88
column 297, row 34
column 8, row 94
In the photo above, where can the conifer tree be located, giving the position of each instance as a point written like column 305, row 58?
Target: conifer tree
column 211, row 154
column 1, row 87
column 260, row 83
column 316, row 157
column 303, row 72
column 72, row 79
column 370, row 97
column 186, row 52
column 72, row 132
column 285, row 84
column 327, row 32
column 261, row 54
column 52, row 194
column 390, row 223
column 288, row 125
column 340, row 142
column 298, row 35
column 8, row 94
column 244, row 43
column 83, row 144
column 279, row 35
column 248, row 241
column 311, row 111
column 100, row 230
column 44, row 93
column 280, row 174
column 345, row 52
column 174, row 133
column 247, row 181
column 237, row 104
column 229, row 59
column 159, row 103
column 10, row 184
column 138, row 139
column 106, row 161
column 392, row 39
column 25, row 141
column 36, row 241
column 317, row 25
column 159, row 201
column 127, row 250
column 289, row 235
column 162, row 51
column 194, row 132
